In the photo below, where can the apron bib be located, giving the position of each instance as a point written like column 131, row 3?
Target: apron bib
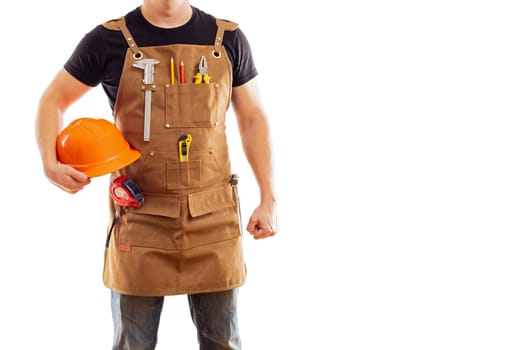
column 186, row 237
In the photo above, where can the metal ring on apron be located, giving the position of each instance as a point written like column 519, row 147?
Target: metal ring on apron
column 138, row 55
column 216, row 54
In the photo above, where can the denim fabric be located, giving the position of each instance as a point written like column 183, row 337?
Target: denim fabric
column 136, row 320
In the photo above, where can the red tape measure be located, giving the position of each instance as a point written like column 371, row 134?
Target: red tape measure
column 126, row 193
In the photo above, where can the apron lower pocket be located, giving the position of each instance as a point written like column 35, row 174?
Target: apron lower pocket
column 173, row 222
column 212, row 217
column 154, row 224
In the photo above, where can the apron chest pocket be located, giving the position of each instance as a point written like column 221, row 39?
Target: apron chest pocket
column 191, row 105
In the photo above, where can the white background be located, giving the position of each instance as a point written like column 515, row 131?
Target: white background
column 397, row 128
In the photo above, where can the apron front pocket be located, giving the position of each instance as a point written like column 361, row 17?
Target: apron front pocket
column 213, row 217
column 183, row 175
column 155, row 224
column 191, row 105
column 206, row 202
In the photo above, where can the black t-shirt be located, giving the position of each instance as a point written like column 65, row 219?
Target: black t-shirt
column 99, row 56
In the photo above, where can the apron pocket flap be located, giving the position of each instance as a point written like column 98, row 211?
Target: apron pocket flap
column 161, row 205
column 205, row 202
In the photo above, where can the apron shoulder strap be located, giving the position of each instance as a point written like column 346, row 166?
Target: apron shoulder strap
column 223, row 25
column 120, row 24
column 112, row 24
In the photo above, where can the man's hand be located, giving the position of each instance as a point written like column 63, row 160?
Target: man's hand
column 263, row 222
column 67, row 178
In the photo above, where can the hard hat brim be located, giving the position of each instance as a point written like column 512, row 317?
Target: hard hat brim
column 111, row 165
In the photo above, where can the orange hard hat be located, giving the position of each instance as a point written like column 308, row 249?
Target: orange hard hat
column 94, row 146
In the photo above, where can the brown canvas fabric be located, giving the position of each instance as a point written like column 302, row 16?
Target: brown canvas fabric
column 187, row 236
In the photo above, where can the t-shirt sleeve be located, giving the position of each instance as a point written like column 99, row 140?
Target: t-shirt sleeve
column 239, row 51
column 86, row 62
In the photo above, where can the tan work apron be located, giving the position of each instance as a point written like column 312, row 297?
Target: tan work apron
column 186, row 237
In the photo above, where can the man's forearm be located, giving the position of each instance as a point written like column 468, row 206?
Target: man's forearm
column 48, row 124
column 257, row 148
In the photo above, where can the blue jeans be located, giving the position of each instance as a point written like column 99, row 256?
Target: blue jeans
column 136, row 320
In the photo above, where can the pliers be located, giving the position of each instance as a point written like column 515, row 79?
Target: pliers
column 202, row 77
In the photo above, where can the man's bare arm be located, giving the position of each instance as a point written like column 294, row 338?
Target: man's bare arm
column 254, row 132
column 61, row 93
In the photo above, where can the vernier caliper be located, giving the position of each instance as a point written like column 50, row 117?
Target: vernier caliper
column 148, row 65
